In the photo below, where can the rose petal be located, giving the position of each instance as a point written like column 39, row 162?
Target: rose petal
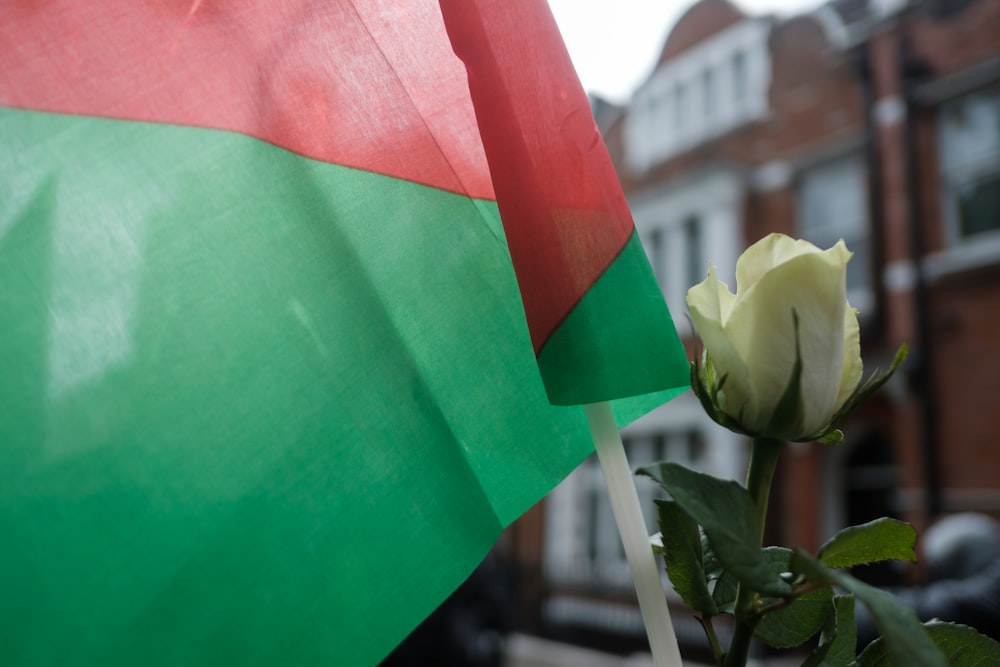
column 761, row 328
column 710, row 303
column 764, row 255
column 853, row 368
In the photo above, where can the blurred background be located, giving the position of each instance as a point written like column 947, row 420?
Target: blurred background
column 874, row 121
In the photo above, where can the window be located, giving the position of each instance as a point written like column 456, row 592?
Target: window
column 694, row 256
column 605, row 550
column 708, row 101
column 739, row 78
column 586, row 571
column 680, row 108
column 833, row 206
column 677, row 253
column 654, row 247
column 605, row 563
column 969, row 137
column 686, row 225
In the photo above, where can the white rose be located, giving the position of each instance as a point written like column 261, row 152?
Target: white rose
column 790, row 308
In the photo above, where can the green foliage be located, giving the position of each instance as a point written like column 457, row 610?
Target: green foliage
column 906, row 640
column 839, row 638
column 724, row 593
column 792, row 621
column 879, row 540
column 712, row 529
column 725, row 511
column 786, row 598
column 683, row 557
column 797, row 623
column 961, row 645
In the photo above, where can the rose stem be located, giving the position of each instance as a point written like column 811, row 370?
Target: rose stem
column 764, row 454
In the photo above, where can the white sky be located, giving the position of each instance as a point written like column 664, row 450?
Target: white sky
column 614, row 43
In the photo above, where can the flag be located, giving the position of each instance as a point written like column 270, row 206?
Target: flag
column 596, row 314
column 267, row 389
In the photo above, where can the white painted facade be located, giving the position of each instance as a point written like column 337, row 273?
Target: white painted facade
column 717, row 85
column 680, row 254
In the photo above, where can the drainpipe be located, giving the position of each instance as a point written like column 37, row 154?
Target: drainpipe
column 875, row 327
column 923, row 368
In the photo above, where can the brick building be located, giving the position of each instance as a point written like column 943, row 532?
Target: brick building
column 876, row 121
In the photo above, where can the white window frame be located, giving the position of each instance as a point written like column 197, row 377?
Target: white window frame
column 661, row 215
column 569, row 532
column 976, row 250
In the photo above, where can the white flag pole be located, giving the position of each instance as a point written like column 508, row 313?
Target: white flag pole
column 632, row 529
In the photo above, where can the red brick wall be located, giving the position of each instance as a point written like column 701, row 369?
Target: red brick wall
column 965, row 323
column 963, row 309
column 957, row 42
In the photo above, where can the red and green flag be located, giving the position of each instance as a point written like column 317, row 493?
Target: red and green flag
column 267, row 388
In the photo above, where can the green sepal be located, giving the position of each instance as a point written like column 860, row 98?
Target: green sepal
column 907, row 642
column 872, row 542
column 961, row 646
column 788, row 412
column 859, row 396
column 683, row 557
column 873, row 384
column 725, row 511
column 834, row 437
column 707, row 386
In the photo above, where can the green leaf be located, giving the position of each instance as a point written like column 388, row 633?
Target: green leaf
column 961, row 645
column 907, row 642
column 878, row 540
column 724, row 593
column 779, row 559
column 726, row 583
column 798, row 622
column 683, row 557
column 703, row 387
column 713, row 567
column 724, row 509
column 817, row 658
column 839, row 640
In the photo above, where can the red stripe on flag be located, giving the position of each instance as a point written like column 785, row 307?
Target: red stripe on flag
column 334, row 81
column 563, row 210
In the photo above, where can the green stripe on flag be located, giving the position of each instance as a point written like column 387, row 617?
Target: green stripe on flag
column 258, row 409
column 606, row 313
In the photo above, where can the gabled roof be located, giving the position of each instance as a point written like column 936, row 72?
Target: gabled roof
column 702, row 20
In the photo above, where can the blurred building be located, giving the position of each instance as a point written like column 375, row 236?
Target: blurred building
column 875, row 121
